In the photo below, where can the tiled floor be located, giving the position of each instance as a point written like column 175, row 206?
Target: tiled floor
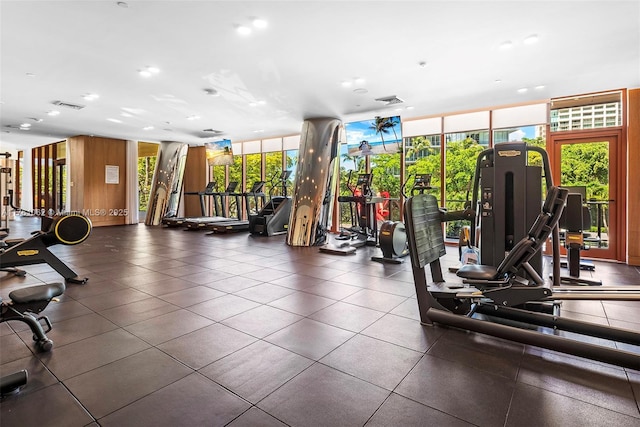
column 180, row 328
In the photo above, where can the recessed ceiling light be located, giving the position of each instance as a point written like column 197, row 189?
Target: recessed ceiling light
column 90, row 96
column 506, row 44
column 531, row 39
column 53, row 113
column 539, row 87
column 147, row 128
column 360, row 91
column 410, row 108
column 422, row 64
column 125, row 114
column 25, row 125
column 244, row 30
column 259, row 23
column 193, row 117
column 522, row 90
column 346, row 84
column 359, row 80
column 497, row 81
column 211, row 92
column 114, row 120
column 148, row 71
column 258, row 131
column 30, row 75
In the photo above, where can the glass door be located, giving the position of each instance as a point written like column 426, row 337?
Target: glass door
column 588, row 165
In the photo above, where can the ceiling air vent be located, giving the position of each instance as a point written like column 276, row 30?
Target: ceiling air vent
column 390, row 100
column 68, row 105
column 213, row 131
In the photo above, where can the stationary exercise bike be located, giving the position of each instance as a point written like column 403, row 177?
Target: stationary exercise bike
column 392, row 238
column 66, row 229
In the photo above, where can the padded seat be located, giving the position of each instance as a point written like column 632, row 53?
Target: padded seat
column 478, row 272
column 524, row 250
column 37, row 293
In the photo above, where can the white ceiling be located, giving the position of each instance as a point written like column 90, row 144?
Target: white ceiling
column 62, row 50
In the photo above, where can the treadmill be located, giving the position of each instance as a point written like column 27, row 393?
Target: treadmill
column 220, row 209
column 179, row 221
column 234, row 225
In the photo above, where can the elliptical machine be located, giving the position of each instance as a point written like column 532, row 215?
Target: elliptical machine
column 392, row 239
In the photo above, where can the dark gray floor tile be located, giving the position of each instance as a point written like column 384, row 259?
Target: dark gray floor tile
column 254, row 417
column 191, row 296
column 400, row 411
column 265, row 274
column 124, row 381
column 238, row 269
column 264, row 293
column 186, row 270
column 323, row 396
column 302, row 303
column 191, row 401
column 256, row 370
column 593, row 308
column 333, row 290
column 310, row 338
column 355, row 279
column 12, row 347
column 82, row 356
column 168, row 326
column 593, row 383
column 138, row 311
column 206, row 345
column 495, row 356
column 297, row 281
column 150, row 277
column 233, row 284
column 405, row 332
column 223, row 307
column 262, row 321
column 375, row 300
column 394, row 287
column 469, row 394
column 165, row 286
column 546, row 409
column 68, row 309
column 347, row 316
column 75, row 329
column 627, row 313
column 93, row 287
column 5, row 329
column 408, row 309
column 49, row 406
column 372, row 360
column 38, row 375
column 113, row 299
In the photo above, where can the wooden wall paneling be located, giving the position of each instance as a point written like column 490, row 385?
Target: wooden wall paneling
column 88, row 156
column 195, row 179
column 633, row 192
column 105, row 202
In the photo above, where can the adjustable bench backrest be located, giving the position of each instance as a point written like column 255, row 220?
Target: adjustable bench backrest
column 538, row 234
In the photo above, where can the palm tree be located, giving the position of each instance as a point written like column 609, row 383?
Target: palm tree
column 418, row 144
column 347, row 157
column 382, row 125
